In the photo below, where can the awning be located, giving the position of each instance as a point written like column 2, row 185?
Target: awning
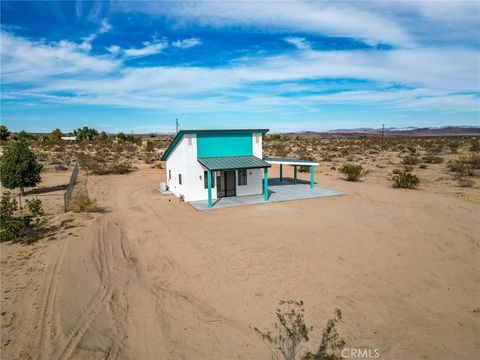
column 287, row 161
column 233, row 163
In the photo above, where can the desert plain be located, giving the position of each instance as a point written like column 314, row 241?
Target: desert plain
column 146, row 276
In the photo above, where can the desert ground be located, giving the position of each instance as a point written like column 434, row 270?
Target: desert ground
column 146, row 276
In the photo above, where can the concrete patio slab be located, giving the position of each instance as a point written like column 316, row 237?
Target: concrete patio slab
column 284, row 191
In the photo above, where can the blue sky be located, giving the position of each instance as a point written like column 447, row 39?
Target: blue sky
column 288, row 66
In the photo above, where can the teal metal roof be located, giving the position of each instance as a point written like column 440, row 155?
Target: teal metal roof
column 180, row 134
column 233, row 163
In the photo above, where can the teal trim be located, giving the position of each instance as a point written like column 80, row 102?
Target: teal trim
column 294, row 174
column 224, row 144
column 265, row 184
column 180, row 134
column 209, row 181
column 281, row 172
column 312, row 176
column 232, row 163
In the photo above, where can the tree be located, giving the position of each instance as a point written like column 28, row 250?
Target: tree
column 121, row 136
column 24, row 136
column 56, row 134
column 4, row 133
column 19, row 167
column 85, row 134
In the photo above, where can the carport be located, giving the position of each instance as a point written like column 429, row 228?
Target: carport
column 295, row 163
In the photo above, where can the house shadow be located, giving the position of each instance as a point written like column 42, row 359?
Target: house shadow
column 285, row 181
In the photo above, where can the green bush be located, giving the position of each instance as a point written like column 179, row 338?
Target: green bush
column 353, row 172
column 432, row 159
column 410, row 160
column 405, row 180
column 14, row 225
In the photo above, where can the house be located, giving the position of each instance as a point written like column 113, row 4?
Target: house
column 210, row 164
column 69, row 138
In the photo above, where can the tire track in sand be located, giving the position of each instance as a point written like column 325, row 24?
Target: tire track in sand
column 101, row 297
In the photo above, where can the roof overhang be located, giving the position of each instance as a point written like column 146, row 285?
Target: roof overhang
column 180, row 134
column 233, row 163
column 287, row 161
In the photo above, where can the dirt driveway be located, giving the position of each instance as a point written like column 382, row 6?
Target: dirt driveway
column 151, row 278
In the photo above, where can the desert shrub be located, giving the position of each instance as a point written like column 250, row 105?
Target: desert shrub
column 465, row 182
column 353, row 172
column 14, row 224
column 475, row 145
column 290, row 333
column 34, row 206
column 405, row 180
column 120, row 168
column 81, row 202
column 465, row 166
column 432, row 159
column 410, row 160
column 423, row 166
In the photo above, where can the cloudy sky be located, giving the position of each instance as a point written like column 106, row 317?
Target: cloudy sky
column 288, row 65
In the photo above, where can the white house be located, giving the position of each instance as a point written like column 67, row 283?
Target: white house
column 209, row 164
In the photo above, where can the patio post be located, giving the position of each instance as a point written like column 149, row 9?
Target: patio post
column 281, row 172
column 265, row 184
column 209, row 182
column 294, row 174
column 312, row 177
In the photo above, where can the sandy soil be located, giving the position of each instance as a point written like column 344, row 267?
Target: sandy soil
column 148, row 277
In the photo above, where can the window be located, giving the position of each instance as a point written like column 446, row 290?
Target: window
column 257, row 139
column 169, row 174
column 205, row 179
column 189, row 140
column 242, row 177
column 180, row 179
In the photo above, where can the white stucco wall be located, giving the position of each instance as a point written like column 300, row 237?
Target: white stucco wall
column 254, row 183
column 257, row 145
column 183, row 160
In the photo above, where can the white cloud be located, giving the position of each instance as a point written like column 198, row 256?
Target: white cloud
column 148, row 49
column 186, row 43
column 328, row 18
column 25, row 61
column 298, row 42
column 113, row 49
column 438, row 78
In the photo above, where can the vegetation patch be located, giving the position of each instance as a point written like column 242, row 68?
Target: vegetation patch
column 353, row 172
column 405, row 180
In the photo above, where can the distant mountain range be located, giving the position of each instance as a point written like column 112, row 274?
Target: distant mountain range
column 395, row 132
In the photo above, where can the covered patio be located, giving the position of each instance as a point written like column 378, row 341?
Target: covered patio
column 277, row 192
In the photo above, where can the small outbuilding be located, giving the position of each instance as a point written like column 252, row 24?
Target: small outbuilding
column 211, row 164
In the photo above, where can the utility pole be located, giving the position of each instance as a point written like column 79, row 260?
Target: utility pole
column 176, row 126
column 383, row 132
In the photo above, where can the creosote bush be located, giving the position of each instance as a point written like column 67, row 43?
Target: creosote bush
column 410, row 160
column 353, row 172
column 405, row 180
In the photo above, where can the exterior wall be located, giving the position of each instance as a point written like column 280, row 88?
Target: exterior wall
column 224, row 144
column 183, row 160
column 257, row 145
column 254, row 183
